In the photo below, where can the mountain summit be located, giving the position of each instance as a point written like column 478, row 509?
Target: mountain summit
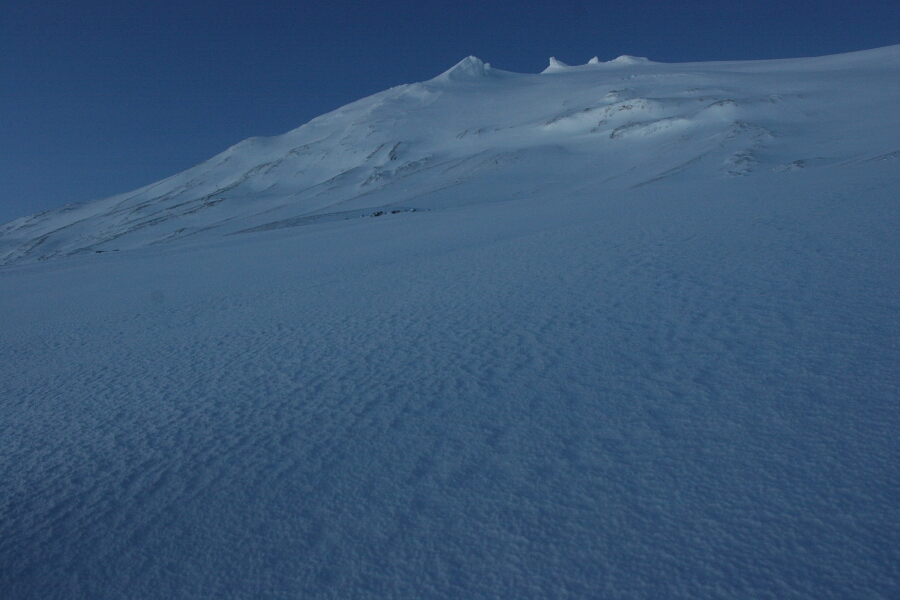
column 477, row 134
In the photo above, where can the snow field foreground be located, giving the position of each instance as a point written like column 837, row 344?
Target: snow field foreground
column 578, row 369
column 683, row 396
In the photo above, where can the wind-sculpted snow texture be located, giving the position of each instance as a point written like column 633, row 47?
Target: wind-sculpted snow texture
column 619, row 330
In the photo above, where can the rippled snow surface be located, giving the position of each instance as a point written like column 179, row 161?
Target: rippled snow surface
column 624, row 330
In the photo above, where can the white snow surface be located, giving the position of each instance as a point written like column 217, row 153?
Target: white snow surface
column 618, row 330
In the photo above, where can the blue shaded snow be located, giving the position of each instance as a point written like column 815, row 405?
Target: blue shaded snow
column 685, row 386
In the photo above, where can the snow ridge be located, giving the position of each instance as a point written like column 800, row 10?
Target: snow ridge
column 482, row 127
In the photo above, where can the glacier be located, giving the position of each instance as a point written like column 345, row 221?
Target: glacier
column 624, row 329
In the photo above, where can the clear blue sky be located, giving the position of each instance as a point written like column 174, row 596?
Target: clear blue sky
column 99, row 97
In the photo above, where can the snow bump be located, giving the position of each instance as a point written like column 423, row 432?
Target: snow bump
column 555, row 65
column 468, row 68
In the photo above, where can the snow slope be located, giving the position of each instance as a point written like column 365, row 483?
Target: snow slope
column 618, row 330
column 476, row 134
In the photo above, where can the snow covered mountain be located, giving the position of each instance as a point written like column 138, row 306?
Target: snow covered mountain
column 476, row 134
column 617, row 330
